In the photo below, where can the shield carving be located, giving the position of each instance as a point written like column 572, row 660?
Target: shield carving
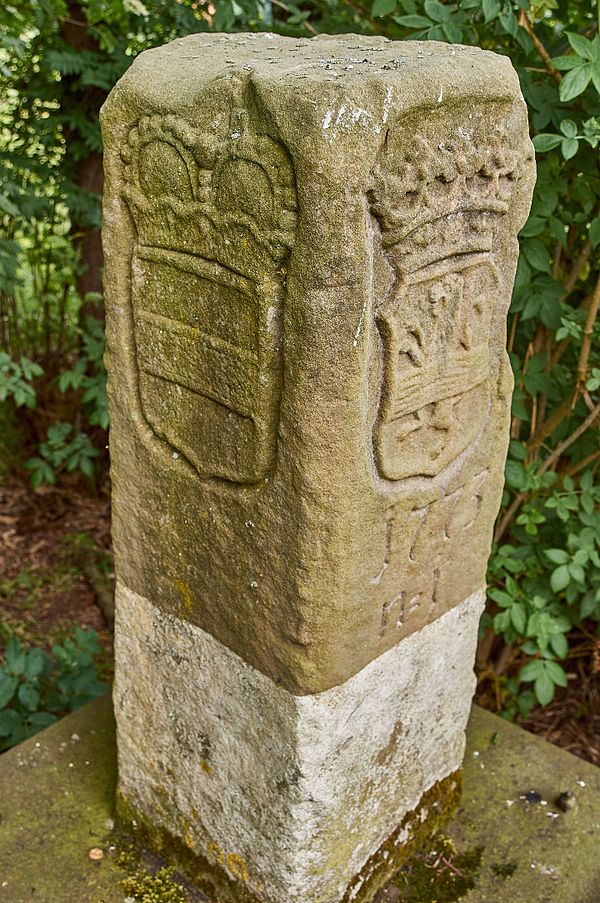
column 435, row 331
column 207, row 285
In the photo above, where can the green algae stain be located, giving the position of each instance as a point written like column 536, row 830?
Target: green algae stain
column 504, row 870
column 439, row 874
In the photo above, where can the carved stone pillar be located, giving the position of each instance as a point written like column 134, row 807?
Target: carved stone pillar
column 310, row 252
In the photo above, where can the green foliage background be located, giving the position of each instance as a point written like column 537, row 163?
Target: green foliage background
column 58, row 60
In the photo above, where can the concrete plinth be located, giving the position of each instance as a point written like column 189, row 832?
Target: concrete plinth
column 57, row 793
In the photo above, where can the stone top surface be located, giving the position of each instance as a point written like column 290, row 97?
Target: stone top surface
column 420, row 71
column 57, row 804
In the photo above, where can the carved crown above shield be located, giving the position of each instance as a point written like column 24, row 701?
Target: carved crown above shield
column 438, row 207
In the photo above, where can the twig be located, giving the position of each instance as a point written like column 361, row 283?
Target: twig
column 525, row 23
column 588, row 332
column 566, row 443
column 573, row 276
column 581, row 465
column 546, row 465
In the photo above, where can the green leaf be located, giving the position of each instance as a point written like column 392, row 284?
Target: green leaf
column 575, row 82
column 40, row 720
column 536, row 254
column 515, row 474
column 29, row 696
column 581, row 45
column 8, row 685
column 517, row 450
column 34, row 663
column 565, row 63
column 594, row 232
column 559, row 644
column 15, row 656
column 490, row 9
column 437, row 11
column 531, row 670
column 568, row 128
column 544, row 689
column 556, row 673
column 413, row 21
column 560, row 578
column 569, row 147
column 558, row 556
column 9, row 722
column 453, row 32
column 518, row 617
column 383, row 8
column 577, row 572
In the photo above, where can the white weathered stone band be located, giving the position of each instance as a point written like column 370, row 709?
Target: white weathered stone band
column 289, row 794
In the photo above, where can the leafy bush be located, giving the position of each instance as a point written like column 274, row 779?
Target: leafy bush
column 544, row 572
column 37, row 687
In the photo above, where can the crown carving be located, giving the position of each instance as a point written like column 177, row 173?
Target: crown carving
column 433, row 201
column 226, row 195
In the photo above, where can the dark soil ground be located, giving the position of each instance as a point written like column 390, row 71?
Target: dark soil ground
column 56, row 573
column 55, row 565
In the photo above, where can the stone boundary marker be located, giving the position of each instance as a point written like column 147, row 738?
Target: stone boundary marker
column 310, row 251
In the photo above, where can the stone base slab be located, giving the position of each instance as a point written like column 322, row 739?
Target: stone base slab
column 57, row 803
column 288, row 795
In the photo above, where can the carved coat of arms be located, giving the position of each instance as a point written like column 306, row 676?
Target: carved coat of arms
column 437, row 210
column 215, row 219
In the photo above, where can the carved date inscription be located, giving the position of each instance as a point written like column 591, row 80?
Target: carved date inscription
column 421, row 543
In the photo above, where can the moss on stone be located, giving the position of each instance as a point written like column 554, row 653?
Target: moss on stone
column 158, row 888
column 439, row 874
column 436, row 808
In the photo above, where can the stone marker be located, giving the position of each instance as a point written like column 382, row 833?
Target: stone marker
column 310, row 252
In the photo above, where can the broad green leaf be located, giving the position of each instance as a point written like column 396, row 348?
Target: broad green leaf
column 558, row 556
column 8, row 685
column 29, row 696
column 559, row 644
column 569, row 147
column 383, row 8
column 568, row 128
column 594, row 232
column 437, row 11
column 560, row 578
column 544, row 689
column 564, row 63
column 15, row 656
column 518, row 617
column 556, row 673
column 517, row 450
column 490, row 9
column 577, row 572
column 575, row 82
column 10, row 721
column 413, row 21
column 515, row 474
column 536, row 254
column 582, row 46
column 34, row 663
column 453, row 32
column 41, row 719
column 531, row 670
